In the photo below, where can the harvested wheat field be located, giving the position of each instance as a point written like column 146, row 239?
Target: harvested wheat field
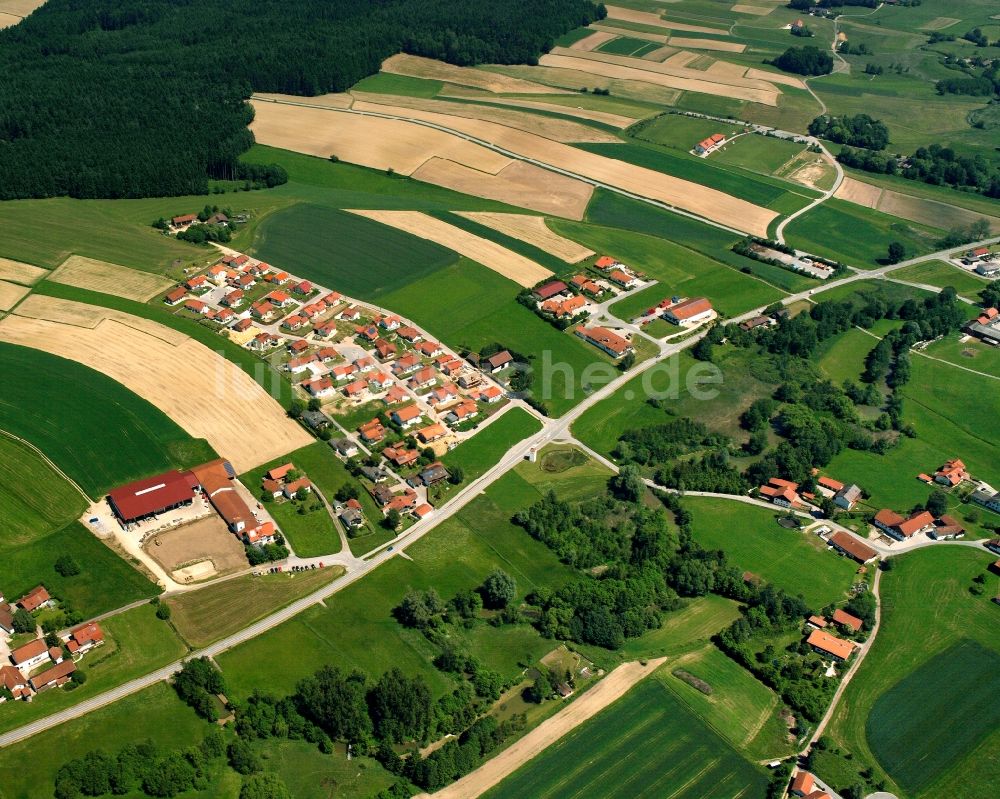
column 939, row 23
column 333, row 100
column 681, row 59
column 774, row 77
column 204, row 393
column 534, row 231
column 8, row 20
column 706, row 202
column 557, row 129
column 11, row 294
column 707, row 44
column 573, row 79
column 595, row 40
column 660, row 38
column 200, row 549
column 665, row 74
column 758, row 11
column 606, row 118
column 725, row 69
column 608, row 690
column 660, row 53
column 88, row 273
column 930, row 212
column 369, row 141
column 418, row 67
column 521, row 184
column 631, row 15
column 855, row 191
column 18, row 272
column 511, row 265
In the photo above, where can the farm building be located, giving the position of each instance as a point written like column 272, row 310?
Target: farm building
column 987, row 498
column 947, row 528
column 951, row 473
column 150, row 497
column 826, row 644
column 899, row 528
column 57, row 675
column 613, row 344
column 31, row 655
column 848, row 545
column 548, row 290
column 710, row 145
column 689, row 311
column 782, row 493
column 845, row 618
column 847, row 497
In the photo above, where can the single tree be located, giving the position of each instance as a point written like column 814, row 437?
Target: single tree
column 498, row 589
column 897, row 252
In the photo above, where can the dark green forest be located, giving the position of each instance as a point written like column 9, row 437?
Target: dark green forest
column 138, row 98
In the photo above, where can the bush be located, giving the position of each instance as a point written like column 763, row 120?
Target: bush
column 66, row 566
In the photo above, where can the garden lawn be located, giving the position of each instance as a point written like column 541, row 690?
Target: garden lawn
column 216, row 611
column 136, row 642
column 753, row 541
column 34, row 498
column 356, row 628
column 105, row 581
column 312, row 533
column 927, row 610
column 477, row 454
column 155, row 713
column 349, row 253
column 740, row 708
column 857, row 236
column 646, row 743
column 100, row 433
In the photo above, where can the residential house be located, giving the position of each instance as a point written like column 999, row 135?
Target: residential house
column 433, row 474
column 6, row 618
column 422, row 378
column 548, row 290
column 379, row 381
column 320, row 387
column 803, row 784
column 262, row 535
column 84, row 638
column 443, row 395
column 297, row 347
column 689, row 312
column 372, row 431
column 423, row 511
column 262, row 310
column 234, row 299
column 951, row 473
column 278, row 298
column 242, row 325
column 826, row 644
column 452, row 367
column 364, row 364
column 35, row 599
column 429, row 349
column 355, row 388
column 375, row 473
column 843, row 617
column 299, row 365
column 847, row 497
column 947, row 528
column 710, row 145
column 332, row 298
column 352, row 515
column 382, row 495
column 295, row 486
column 196, row 282
column 407, row 416
column 327, row 354
column 15, row 682
column 390, row 323
column 623, row 279
column 272, row 487
column 395, row 394
column 431, row 433
column 31, row 655
column 402, row 502
column 468, row 380
column 562, row 308
column 175, row 295
column 304, row 288
column 614, row 345
column 409, row 333
column 345, row 447
column 899, row 528
column 491, row 394
column 342, row 372
column 385, row 350
column 585, row 284
column 407, row 364
column 349, row 314
column 757, row 321
column 466, row 409
column 848, row 545
column 294, row 322
column 325, row 330
column 606, row 262
column 50, row 678
column 496, row 362
column 263, row 342
column 183, row 220
column 224, row 316
column 782, row 493
column 400, row 455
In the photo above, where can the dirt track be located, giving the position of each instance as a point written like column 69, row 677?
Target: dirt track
column 612, row 687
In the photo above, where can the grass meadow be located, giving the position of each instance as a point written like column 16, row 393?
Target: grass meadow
column 941, row 274
column 100, row 433
column 857, row 236
column 477, row 454
column 136, row 642
column 927, row 610
column 357, row 256
column 155, row 714
column 645, row 744
column 843, row 357
column 971, row 354
column 797, row 562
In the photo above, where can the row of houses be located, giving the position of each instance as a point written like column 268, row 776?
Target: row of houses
column 22, row 678
column 786, row 494
column 902, row 528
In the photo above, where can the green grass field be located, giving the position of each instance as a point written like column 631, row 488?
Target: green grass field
column 940, row 274
column 678, row 269
column 971, row 354
column 645, row 744
column 356, row 628
column 156, row 714
column 935, row 714
column 484, row 449
column 684, row 630
column 626, row 45
column 136, row 642
column 857, row 236
column 743, row 381
column 788, row 559
column 843, row 357
column 310, row 774
column 346, row 252
column 34, row 499
column 100, row 433
column 105, row 581
column 927, row 610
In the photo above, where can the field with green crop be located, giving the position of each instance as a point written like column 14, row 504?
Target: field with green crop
column 34, row 499
column 753, row 541
column 857, row 236
column 927, row 611
column 645, row 744
column 743, row 379
column 156, row 714
column 100, row 433
column 346, row 252
column 105, row 580
column 679, row 270
column 477, row 454
column 356, row 629
column 136, row 642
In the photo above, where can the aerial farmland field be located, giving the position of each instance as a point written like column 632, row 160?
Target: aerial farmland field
column 648, row 742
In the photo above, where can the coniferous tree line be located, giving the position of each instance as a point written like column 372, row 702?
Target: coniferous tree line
column 136, row 98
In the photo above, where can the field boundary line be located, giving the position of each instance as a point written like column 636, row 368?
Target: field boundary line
column 50, row 463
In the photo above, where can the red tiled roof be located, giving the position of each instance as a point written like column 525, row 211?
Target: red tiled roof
column 688, row 308
column 852, row 546
column 30, row 650
column 91, row 631
column 837, row 647
column 605, row 338
column 845, row 618
column 550, row 289
column 152, row 495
